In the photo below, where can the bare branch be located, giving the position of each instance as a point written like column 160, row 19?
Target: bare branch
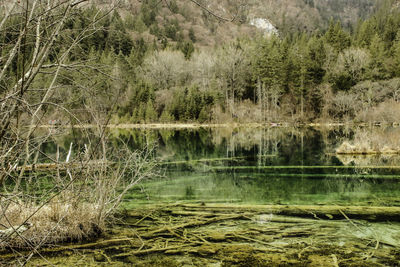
column 8, row 12
column 213, row 13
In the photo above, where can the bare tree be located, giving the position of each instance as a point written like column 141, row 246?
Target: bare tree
column 166, row 69
column 352, row 61
column 82, row 181
column 232, row 71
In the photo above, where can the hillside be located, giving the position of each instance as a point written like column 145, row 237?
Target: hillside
column 173, row 60
column 182, row 19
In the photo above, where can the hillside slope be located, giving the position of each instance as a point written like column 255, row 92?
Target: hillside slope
column 177, row 20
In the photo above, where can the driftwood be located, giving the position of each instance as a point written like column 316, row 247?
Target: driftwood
column 96, row 245
column 192, row 224
column 312, row 211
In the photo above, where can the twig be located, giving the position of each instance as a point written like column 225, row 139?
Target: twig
column 151, row 250
column 143, row 218
column 199, row 237
column 348, row 219
column 255, row 240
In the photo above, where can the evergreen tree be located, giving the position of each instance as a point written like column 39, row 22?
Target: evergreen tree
column 187, row 49
column 192, row 35
column 365, row 32
column 315, row 59
column 390, row 31
column 148, row 11
column 166, row 116
column 204, row 115
column 377, row 68
column 150, row 113
column 336, row 36
column 268, row 63
column 396, row 56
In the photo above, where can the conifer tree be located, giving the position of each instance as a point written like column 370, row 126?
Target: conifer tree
column 150, row 113
column 396, row 56
column 377, row 68
column 336, row 36
column 365, row 32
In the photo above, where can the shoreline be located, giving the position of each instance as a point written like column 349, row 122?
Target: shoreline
column 216, row 125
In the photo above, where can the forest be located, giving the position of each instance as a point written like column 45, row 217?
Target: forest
column 336, row 74
column 333, row 74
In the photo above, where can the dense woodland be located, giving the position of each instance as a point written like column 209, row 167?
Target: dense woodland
column 147, row 67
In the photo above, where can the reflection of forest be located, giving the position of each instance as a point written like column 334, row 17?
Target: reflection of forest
column 262, row 188
column 234, row 164
column 268, row 145
column 265, row 140
column 276, row 145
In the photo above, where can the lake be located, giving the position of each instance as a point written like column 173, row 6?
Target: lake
column 198, row 210
column 263, row 165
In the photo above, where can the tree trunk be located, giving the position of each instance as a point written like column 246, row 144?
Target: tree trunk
column 313, row 211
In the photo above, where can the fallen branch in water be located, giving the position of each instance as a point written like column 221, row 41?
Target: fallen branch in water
column 321, row 211
column 151, row 250
column 191, row 224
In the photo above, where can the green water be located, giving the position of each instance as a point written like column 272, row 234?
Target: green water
column 263, row 166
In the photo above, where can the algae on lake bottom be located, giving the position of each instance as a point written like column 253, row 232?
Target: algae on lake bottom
column 198, row 235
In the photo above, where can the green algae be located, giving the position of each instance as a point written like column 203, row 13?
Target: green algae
column 185, row 235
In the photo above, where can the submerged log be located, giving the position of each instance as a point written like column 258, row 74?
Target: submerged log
column 311, row 211
column 62, row 165
column 132, row 242
column 119, row 242
column 191, row 224
column 151, row 250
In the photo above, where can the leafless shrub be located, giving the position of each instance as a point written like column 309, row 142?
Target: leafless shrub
column 165, row 69
column 353, row 61
column 386, row 112
column 372, row 93
column 78, row 189
column 83, row 197
column 342, row 105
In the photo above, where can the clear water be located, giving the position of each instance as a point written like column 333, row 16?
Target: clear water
column 275, row 165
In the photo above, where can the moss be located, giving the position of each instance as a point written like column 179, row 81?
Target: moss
column 208, row 249
column 189, row 241
column 217, row 236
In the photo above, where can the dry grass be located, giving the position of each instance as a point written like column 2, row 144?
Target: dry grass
column 75, row 204
column 57, row 221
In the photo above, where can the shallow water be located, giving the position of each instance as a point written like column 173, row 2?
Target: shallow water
column 275, row 165
column 279, row 165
